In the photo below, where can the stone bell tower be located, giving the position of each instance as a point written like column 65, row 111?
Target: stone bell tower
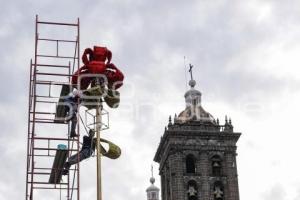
column 197, row 155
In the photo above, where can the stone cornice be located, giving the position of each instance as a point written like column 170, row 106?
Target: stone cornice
column 197, row 136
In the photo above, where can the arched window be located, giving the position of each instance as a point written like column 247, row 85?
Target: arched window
column 192, row 190
column 218, row 191
column 190, row 164
column 216, row 163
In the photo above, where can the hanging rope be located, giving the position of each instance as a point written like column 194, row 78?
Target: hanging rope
column 85, row 127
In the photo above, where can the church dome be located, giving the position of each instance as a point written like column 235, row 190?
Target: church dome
column 194, row 111
column 195, row 114
column 192, row 93
column 152, row 187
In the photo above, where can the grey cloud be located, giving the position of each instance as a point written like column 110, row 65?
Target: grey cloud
column 148, row 40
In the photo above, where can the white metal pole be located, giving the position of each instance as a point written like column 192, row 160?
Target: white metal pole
column 98, row 146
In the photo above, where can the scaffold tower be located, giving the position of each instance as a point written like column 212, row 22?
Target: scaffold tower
column 57, row 50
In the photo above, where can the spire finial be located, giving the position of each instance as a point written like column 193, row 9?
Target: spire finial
column 152, row 179
column 151, row 170
column 170, row 120
column 192, row 82
column 191, row 71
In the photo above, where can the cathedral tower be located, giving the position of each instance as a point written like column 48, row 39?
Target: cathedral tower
column 197, row 155
column 152, row 190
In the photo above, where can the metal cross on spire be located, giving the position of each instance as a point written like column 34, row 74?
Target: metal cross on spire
column 191, row 71
column 192, row 82
column 151, row 170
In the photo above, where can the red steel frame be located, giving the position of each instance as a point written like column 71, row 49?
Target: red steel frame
column 36, row 175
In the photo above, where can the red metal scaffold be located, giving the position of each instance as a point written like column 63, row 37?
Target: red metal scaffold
column 52, row 67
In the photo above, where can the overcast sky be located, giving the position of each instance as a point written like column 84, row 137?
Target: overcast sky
column 246, row 58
